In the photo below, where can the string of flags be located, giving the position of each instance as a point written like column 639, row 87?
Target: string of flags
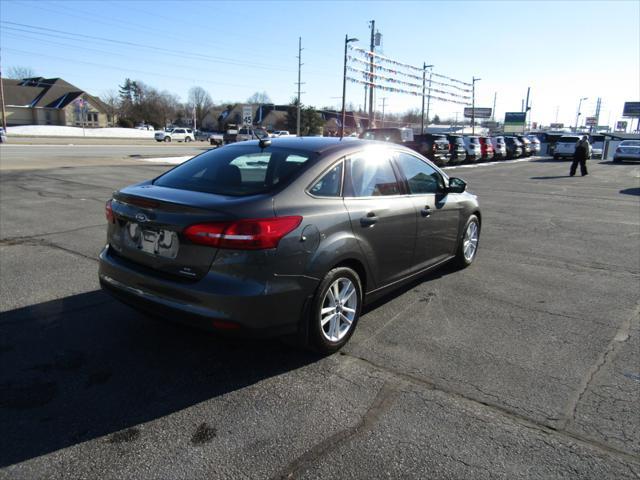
column 385, row 88
column 387, row 70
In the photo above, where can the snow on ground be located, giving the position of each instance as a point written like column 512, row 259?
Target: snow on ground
column 59, row 131
column 169, row 160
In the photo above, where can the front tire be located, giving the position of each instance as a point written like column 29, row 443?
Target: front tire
column 167, row 139
column 335, row 310
column 468, row 245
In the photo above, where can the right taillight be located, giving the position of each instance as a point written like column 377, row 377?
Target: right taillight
column 251, row 234
column 108, row 212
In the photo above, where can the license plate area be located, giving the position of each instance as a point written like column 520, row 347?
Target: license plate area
column 152, row 241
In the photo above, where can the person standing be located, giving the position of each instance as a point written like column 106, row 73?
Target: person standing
column 580, row 156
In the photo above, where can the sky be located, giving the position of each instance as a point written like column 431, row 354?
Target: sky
column 563, row 51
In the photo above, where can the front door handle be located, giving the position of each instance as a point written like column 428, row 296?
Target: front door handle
column 426, row 211
column 369, row 220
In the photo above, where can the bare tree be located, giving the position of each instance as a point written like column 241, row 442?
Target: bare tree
column 19, row 72
column 200, row 101
column 259, row 97
column 112, row 100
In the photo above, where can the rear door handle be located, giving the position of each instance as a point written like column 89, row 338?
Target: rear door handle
column 426, row 211
column 369, row 220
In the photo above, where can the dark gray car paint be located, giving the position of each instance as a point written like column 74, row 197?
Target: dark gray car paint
column 268, row 289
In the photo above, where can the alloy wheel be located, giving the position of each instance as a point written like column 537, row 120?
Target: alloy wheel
column 338, row 310
column 470, row 241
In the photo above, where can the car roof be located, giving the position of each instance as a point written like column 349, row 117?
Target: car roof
column 317, row 144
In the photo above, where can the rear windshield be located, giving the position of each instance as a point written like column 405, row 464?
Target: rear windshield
column 630, row 143
column 236, row 171
column 475, row 140
column 569, row 139
column 499, row 139
column 596, row 138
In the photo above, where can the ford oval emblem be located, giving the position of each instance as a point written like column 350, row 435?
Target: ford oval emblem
column 141, row 217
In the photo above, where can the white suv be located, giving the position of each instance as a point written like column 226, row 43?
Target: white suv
column 175, row 134
column 566, row 146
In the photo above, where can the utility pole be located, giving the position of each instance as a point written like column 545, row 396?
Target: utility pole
column 557, row 111
column 372, row 48
column 579, row 107
column 598, row 104
column 384, row 99
column 4, row 112
column 299, row 83
column 347, row 40
column 424, row 84
column 429, row 92
column 493, row 112
column 527, row 107
column 473, row 105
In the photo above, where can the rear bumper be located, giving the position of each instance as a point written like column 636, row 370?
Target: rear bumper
column 628, row 156
column 267, row 307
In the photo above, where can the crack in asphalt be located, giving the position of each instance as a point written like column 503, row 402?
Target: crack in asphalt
column 516, row 417
column 380, row 405
column 42, row 242
column 621, row 336
column 11, row 240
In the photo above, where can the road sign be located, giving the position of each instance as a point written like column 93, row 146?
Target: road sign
column 631, row 109
column 621, row 126
column 514, row 122
column 247, row 115
column 591, row 121
column 479, row 112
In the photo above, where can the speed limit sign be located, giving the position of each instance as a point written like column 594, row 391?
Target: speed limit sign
column 247, row 118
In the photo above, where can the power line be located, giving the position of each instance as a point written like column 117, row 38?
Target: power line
column 162, row 50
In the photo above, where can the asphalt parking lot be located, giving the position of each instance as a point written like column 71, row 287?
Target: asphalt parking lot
column 525, row 365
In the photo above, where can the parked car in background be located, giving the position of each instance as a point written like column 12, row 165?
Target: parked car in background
column 486, row 148
column 527, row 148
column 565, row 146
column 251, row 134
column 499, row 147
column 513, row 146
column 280, row 133
column 3, row 136
column 287, row 236
column 535, row 144
column 144, row 126
column 456, row 149
column 627, row 150
column 435, row 147
column 216, row 139
column 201, row 135
column 597, row 145
column 473, row 148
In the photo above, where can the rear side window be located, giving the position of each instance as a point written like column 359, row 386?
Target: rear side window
column 330, row 183
column 237, row 171
column 421, row 177
column 569, row 139
column 369, row 174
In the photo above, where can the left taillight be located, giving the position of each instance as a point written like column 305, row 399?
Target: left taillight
column 250, row 234
column 108, row 212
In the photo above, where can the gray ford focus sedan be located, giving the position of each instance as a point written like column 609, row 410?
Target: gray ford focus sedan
column 287, row 236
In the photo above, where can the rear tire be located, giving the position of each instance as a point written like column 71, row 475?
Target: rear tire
column 167, row 139
column 468, row 243
column 335, row 310
column 187, row 139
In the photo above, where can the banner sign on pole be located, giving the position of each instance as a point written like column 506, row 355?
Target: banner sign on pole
column 514, row 122
column 631, row 109
column 479, row 112
column 591, row 121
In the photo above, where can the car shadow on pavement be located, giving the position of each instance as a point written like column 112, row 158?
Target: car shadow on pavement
column 86, row 366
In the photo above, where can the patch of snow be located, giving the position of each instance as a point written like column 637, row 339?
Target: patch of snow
column 168, row 160
column 60, row 131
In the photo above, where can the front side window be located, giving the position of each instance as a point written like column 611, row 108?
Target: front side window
column 329, row 184
column 421, row 177
column 370, row 175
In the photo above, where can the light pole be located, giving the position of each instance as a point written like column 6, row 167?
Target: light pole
column 579, row 107
column 424, row 79
column 473, row 105
column 347, row 40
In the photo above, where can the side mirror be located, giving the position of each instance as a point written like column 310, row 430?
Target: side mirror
column 456, row 185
